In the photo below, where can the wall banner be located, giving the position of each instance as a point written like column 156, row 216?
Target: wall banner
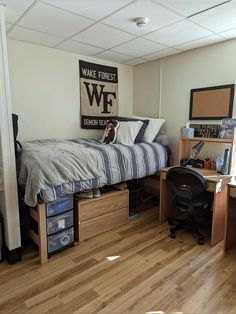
column 98, row 94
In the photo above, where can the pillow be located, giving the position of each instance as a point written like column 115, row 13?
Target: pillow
column 162, row 139
column 128, row 131
column 152, row 129
column 163, row 130
column 110, row 132
column 139, row 137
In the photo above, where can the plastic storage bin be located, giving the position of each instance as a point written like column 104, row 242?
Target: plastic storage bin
column 60, row 240
column 59, row 206
column 60, row 222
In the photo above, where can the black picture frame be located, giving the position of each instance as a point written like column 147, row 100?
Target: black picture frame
column 193, row 92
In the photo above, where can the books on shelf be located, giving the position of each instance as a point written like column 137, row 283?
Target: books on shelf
column 206, row 130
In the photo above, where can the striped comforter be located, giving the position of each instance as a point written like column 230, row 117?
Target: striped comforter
column 117, row 162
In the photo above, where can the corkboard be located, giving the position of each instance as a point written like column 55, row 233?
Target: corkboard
column 211, row 103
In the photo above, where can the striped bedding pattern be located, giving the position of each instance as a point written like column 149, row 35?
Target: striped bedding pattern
column 118, row 163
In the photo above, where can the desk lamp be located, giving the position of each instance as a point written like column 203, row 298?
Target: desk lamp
column 196, row 149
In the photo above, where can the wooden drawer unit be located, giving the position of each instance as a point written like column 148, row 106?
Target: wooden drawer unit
column 97, row 215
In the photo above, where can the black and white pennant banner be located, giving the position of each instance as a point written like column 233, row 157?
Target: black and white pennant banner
column 98, row 94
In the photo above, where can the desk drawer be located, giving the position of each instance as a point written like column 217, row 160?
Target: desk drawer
column 232, row 192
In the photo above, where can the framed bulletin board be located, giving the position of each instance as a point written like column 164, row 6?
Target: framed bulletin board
column 211, row 103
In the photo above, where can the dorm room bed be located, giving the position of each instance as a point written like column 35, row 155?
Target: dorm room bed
column 51, row 171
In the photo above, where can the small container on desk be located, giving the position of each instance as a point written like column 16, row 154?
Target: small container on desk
column 188, row 132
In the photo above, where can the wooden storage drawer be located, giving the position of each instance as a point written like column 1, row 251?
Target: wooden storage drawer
column 232, row 192
column 108, row 202
column 97, row 215
column 94, row 226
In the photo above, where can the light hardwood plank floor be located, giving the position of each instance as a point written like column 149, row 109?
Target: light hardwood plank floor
column 150, row 272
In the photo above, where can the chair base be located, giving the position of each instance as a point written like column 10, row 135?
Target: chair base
column 187, row 223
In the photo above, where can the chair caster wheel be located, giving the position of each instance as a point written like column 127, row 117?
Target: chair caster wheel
column 172, row 233
column 201, row 240
column 170, row 222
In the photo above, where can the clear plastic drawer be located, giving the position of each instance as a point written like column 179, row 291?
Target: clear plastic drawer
column 60, row 222
column 60, row 240
column 59, row 206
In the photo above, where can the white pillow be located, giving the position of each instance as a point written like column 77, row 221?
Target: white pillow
column 152, row 129
column 127, row 132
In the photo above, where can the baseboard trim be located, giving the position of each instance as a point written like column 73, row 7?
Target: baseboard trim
column 12, row 256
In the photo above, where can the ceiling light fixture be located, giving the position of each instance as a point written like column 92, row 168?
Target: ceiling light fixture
column 141, row 21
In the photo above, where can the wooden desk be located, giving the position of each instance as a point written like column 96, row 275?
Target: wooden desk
column 230, row 222
column 216, row 184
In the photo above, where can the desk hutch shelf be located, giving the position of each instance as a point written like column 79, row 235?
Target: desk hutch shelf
column 185, row 145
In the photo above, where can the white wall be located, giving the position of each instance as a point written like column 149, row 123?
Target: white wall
column 146, row 89
column 202, row 67
column 45, row 91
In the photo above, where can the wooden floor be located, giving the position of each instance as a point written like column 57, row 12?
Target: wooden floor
column 150, row 272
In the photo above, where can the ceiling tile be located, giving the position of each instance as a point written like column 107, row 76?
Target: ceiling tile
column 162, row 53
column 93, row 9
column 54, row 21
column 187, row 7
column 201, row 42
column 139, row 47
column 103, row 36
column 15, row 8
column 178, row 33
column 113, row 56
column 135, row 61
column 219, row 19
column 158, row 17
column 229, row 34
column 74, row 46
column 24, row 34
column 8, row 25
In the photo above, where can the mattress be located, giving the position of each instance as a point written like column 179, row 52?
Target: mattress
column 105, row 165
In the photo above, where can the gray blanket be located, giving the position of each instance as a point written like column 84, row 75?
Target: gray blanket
column 44, row 164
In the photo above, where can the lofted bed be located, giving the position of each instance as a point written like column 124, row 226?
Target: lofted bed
column 52, row 171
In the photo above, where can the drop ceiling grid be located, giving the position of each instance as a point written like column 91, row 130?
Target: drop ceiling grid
column 172, row 13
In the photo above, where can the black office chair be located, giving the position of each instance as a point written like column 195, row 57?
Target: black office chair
column 188, row 189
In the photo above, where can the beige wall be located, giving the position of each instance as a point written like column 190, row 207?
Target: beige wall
column 146, row 89
column 202, row 67
column 45, row 87
column 45, row 91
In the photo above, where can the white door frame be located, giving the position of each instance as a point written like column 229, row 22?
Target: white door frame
column 8, row 198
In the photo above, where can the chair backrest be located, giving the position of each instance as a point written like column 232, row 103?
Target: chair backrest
column 185, row 183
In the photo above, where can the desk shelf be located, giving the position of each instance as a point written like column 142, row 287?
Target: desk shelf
column 208, row 139
column 185, row 145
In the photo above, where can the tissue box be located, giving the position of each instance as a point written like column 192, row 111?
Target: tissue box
column 188, row 132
